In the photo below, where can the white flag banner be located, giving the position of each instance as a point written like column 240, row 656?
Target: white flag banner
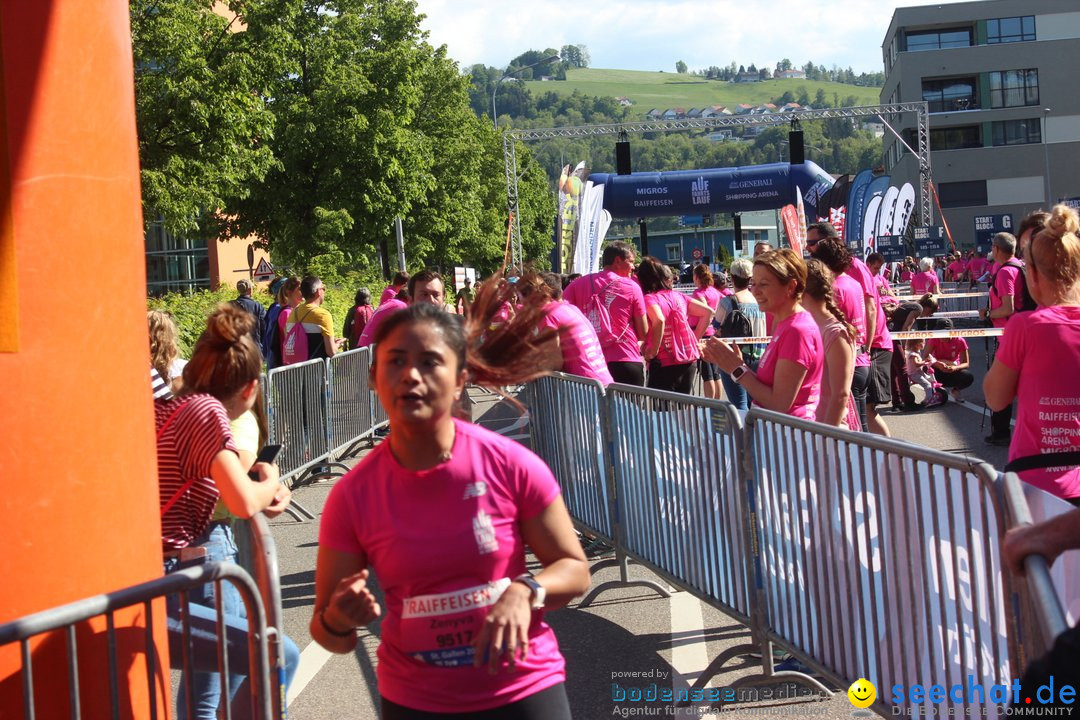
column 593, row 229
column 885, row 214
column 905, row 206
column 869, row 225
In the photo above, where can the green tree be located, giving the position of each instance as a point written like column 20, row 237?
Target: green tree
column 575, row 56
column 204, row 125
column 371, row 123
column 680, row 67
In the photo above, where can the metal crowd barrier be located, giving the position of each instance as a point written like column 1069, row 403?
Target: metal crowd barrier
column 955, row 301
column 83, row 618
column 263, row 562
column 879, row 559
column 570, row 431
column 682, row 501
column 298, row 418
column 863, row 556
column 351, row 401
column 1042, row 616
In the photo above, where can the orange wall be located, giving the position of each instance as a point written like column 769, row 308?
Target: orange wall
column 77, row 465
column 229, row 262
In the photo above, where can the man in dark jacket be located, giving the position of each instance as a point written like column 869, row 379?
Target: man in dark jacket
column 255, row 308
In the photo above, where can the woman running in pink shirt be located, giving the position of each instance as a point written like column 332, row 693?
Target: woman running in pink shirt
column 442, row 512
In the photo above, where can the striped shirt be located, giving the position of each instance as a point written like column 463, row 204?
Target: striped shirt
column 158, row 386
column 191, row 432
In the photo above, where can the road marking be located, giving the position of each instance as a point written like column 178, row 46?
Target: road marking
column 312, row 660
column 977, row 408
column 687, row 658
column 689, row 651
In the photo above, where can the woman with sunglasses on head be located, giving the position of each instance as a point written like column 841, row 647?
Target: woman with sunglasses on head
column 1038, row 363
column 198, row 463
column 441, row 513
column 788, row 378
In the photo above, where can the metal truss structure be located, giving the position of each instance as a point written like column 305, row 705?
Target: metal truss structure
column 922, row 149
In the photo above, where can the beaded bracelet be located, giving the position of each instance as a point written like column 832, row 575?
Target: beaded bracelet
column 332, row 631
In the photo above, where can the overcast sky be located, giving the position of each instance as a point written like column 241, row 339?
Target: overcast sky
column 654, row 34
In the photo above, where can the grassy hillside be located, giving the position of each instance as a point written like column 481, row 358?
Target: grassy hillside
column 668, row 90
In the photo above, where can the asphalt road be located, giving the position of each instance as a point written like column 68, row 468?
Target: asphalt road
column 629, row 636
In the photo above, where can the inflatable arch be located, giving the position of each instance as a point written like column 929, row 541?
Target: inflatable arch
column 715, row 190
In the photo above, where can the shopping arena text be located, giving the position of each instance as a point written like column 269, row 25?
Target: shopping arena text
column 974, row 693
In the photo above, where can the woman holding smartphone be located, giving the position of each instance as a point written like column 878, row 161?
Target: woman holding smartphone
column 788, row 378
column 198, row 463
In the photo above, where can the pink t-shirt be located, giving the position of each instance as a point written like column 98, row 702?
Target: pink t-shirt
column 956, row 269
column 977, row 266
column 1038, row 345
column 672, row 305
column 445, row 543
column 906, row 275
column 577, row 340
column 388, row 294
column 282, row 323
column 830, row 333
column 385, row 310
column 711, row 297
column 882, row 338
column 849, row 298
column 946, row 349
column 925, row 282
column 624, row 301
column 884, row 289
column 797, row 339
column 1007, row 281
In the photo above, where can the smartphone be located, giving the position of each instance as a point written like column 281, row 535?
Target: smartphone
column 268, row 454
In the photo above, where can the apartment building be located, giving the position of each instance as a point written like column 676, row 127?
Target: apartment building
column 1000, row 78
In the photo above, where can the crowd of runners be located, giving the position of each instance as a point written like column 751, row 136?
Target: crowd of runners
column 442, row 511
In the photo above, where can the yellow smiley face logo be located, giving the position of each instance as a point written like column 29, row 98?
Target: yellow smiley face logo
column 862, row 693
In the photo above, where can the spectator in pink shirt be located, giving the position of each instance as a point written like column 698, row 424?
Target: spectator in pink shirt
column 396, row 285
column 581, row 354
column 788, row 378
column 707, row 293
column 925, row 281
column 1038, row 363
column 671, row 348
column 425, row 286
column 615, row 306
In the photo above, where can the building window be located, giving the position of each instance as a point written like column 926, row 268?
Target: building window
column 1013, row 29
column 175, row 264
column 939, row 39
column 1014, row 88
column 1017, row 132
column 956, row 138
column 674, row 253
column 951, row 94
column 962, row 194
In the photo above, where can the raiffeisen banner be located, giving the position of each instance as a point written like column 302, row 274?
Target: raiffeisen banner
column 692, row 192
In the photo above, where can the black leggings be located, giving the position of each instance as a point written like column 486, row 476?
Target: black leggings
column 627, row 373
column 548, row 704
column 959, row 379
column 676, row 378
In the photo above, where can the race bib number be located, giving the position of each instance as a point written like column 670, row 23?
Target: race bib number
column 439, row 629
